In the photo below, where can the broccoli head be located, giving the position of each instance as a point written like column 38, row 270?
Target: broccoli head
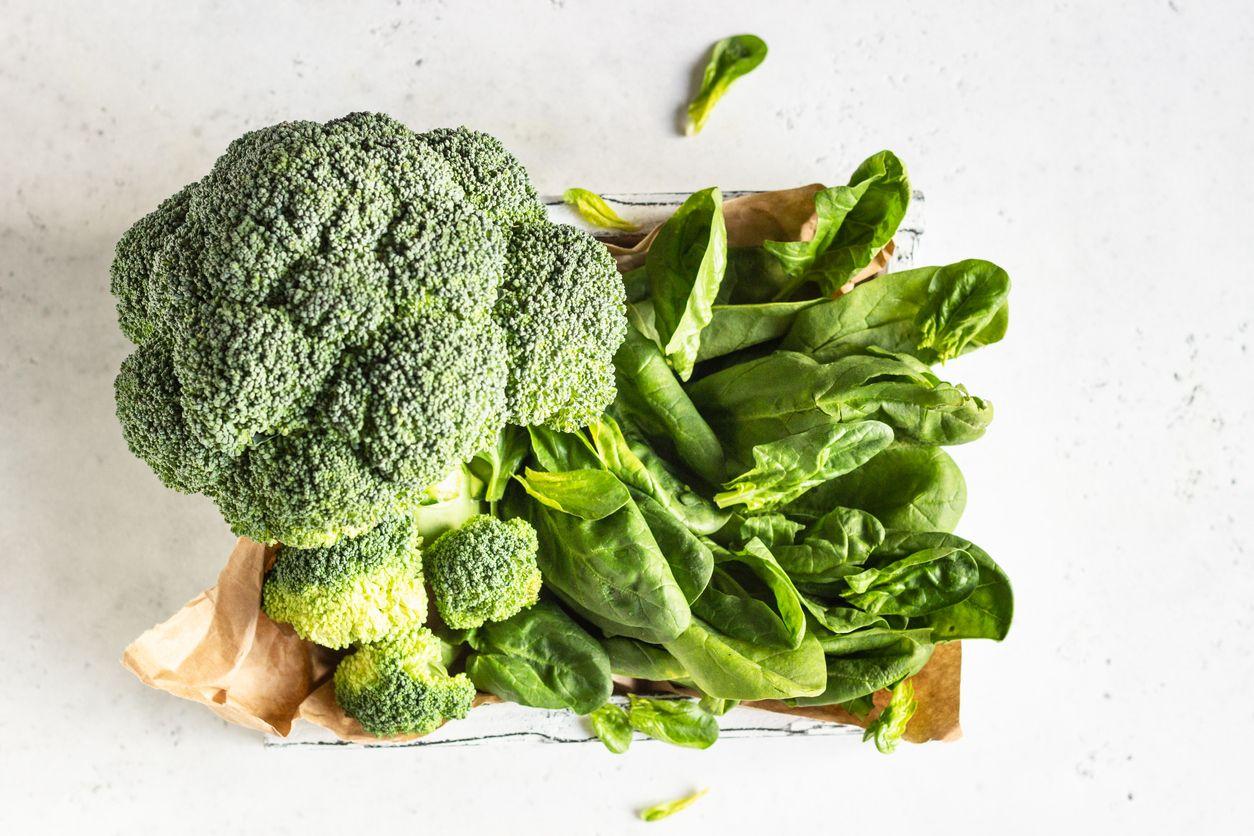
column 401, row 686
column 484, row 571
column 338, row 314
column 361, row 589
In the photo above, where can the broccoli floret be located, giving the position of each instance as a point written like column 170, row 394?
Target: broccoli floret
column 401, row 686
column 562, row 307
column 328, row 321
column 484, row 571
column 362, row 589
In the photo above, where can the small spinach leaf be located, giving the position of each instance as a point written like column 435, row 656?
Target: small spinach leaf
column 587, row 494
column 657, row 812
column 890, row 726
column 611, row 726
column 593, row 209
column 729, row 60
column 630, row 657
column 681, row 722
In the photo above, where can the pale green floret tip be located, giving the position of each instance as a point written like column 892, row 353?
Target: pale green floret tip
column 401, row 686
column 484, row 571
column 361, row 589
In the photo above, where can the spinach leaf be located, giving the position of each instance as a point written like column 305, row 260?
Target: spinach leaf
column 729, row 60
column 611, row 571
column 611, row 726
column 560, row 451
column 691, row 561
column 984, row 614
column 636, row 284
column 774, row 530
column 716, row 706
column 588, row 494
column 593, row 209
column 657, row 812
column 785, row 469
column 839, row 619
column 735, row 327
column 753, row 277
column 909, row 487
column 540, row 657
column 726, row 667
column 854, row 223
column 496, row 464
column 932, row 313
column 832, row 547
column 686, row 264
column 653, row 401
column 639, row 467
column 890, row 726
column 762, row 564
column 918, row 584
column 629, row 657
column 862, row 663
column 681, row 722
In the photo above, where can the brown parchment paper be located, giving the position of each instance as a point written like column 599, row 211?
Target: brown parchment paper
column 221, row 650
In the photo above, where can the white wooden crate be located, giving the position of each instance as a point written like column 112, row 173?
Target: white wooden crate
column 511, row 723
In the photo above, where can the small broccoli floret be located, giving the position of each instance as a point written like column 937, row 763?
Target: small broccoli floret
column 484, row 571
column 362, row 589
column 562, row 308
column 401, row 686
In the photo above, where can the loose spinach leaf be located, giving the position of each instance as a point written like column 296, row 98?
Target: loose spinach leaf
column 734, row 669
column 593, row 209
column 495, row 465
column 610, row 571
column 908, row 487
column 690, row 559
column 588, row 494
column 918, row 584
column 984, row 614
column 540, row 657
column 855, row 222
column 890, row 726
column 785, row 469
column 716, row 706
column 611, row 726
column 639, row 467
column 686, row 264
column 862, row 663
column 677, row 721
column 729, row 60
column 932, row 313
column 657, row 812
column 629, row 657
column 653, row 401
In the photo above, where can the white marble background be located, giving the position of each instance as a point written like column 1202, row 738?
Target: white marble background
column 1100, row 151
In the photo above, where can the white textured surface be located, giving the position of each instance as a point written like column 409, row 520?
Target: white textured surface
column 1100, row 151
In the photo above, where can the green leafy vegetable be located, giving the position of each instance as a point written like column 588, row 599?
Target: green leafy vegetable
column 691, row 560
column 686, row 265
column 681, row 722
column 865, row 661
column 593, row 209
column 921, row 583
column 652, row 400
column 637, row 659
column 855, row 222
column 786, row 468
column 888, row 728
column 668, row 808
column 587, row 494
column 611, row 726
column 495, row 465
column 540, row 657
column 729, row 60
column 932, row 313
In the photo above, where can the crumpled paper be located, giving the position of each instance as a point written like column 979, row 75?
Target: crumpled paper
column 222, row 651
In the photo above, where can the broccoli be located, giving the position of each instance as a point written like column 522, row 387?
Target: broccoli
column 361, row 589
column 401, row 685
column 484, row 571
column 338, row 314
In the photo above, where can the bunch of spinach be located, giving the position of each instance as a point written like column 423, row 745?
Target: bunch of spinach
column 766, row 511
